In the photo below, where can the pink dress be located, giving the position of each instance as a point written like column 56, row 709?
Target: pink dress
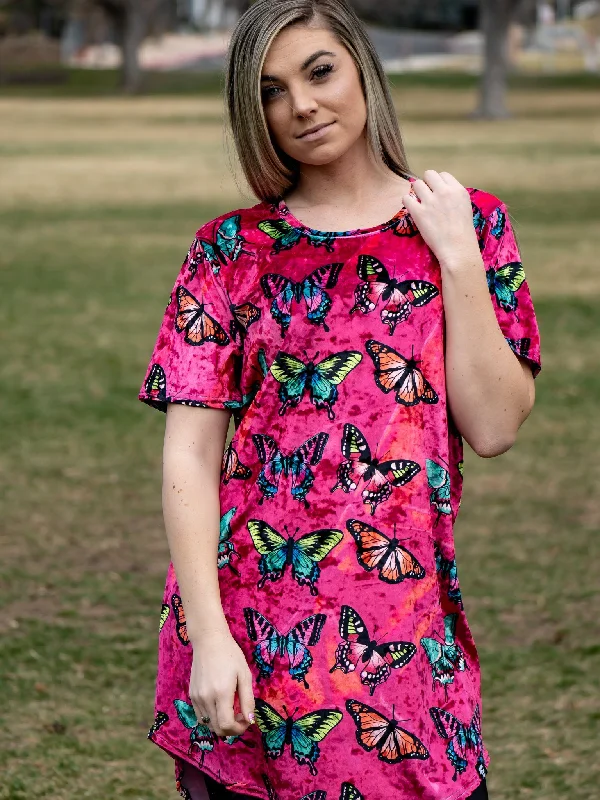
column 338, row 496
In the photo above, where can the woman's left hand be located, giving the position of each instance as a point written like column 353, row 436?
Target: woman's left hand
column 444, row 217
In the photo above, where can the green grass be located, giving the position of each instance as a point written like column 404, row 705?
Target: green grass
column 83, row 289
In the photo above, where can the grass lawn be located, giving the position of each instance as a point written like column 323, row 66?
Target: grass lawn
column 99, row 200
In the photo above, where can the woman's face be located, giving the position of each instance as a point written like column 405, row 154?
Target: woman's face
column 309, row 79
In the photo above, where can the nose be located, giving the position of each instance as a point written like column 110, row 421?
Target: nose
column 303, row 102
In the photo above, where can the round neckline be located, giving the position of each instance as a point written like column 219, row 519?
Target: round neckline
column 284, row 212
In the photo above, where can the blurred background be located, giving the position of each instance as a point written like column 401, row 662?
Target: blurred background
column 111, row 156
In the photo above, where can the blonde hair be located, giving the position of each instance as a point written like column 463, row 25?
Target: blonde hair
column 268, row 170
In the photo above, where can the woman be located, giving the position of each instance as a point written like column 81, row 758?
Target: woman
column 346, row 322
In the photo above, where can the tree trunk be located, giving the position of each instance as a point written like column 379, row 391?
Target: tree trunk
column 496, row 16
column 133, row 32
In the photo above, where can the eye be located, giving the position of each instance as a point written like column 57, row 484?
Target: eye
column 322, row 70
column 269, row 92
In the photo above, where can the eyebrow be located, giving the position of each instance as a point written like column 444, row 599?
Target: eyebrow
column 304, row 65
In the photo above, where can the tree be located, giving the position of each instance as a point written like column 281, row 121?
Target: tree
column 495, row 21
column 131, row 21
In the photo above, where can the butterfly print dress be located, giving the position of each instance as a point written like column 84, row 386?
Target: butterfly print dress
column 338, row 494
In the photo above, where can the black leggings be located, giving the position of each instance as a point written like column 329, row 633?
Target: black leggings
column 216, row 791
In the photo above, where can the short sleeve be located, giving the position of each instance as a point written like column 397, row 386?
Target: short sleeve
column 508, row 286
column 195, row 360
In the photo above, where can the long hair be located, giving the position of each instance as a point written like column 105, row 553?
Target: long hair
column 269, row 171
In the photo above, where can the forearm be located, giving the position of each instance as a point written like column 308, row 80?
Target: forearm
column 192, row 519
column 488, row 393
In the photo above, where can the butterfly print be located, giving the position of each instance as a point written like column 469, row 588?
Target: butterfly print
column 376, row 550
column 350, row 792
column 180, row 626
column 520, row 347
column 438, row 479
column 447, row 569
column 302, row 734
column 402, row 223
column 294, row 644
column 198, row 325
column 183, row 792
column 164, row 614
column 243, row 316
column 262, row 369
column 226, row 550
column 444, row 657
column 295, row 464
column 319, row 794
column 397, row 297
column 379, row 477
column 303, row 554
column 358, row 652
column 464, row 740
column 159, row 720
column 227, row 245
column 284, row 291
column 395, row 373
column 156, row 384
column 287, row 236
column 373, row 730
column 504, row 283
column 232, row 467
column 320, row 380
column 201, row 735
column 478, row 219
column 498, row 221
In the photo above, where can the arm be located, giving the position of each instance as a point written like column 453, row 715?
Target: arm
column 490, row 391
column 193, row 452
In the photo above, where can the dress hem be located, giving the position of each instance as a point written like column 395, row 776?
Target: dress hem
column 176, row 753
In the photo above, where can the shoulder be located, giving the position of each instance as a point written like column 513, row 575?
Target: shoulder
column 485, row 202
column 239, row 221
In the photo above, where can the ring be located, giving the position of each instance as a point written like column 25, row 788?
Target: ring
column 205, row 719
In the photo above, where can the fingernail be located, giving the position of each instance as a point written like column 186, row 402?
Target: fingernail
column 251, row 718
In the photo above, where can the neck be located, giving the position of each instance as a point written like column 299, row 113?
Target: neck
column 348, row 182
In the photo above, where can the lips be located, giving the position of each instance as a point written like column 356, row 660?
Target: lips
column 314, row 129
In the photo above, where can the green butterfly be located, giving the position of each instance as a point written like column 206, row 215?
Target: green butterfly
column 301, row 734
column 438, row 479
column 444, row 657
column 201, row 735
column 319, row 379
column 164, row 613
column 226, row 549
column 286, row 235
column 503, row 283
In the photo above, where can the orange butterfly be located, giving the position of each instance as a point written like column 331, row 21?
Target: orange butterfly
column 180, row 625
column 376, row 550
column 199, row 326
column 232, row 466
column 394, row 372
column 374, row 730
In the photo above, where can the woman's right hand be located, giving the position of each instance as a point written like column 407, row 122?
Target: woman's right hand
column 219, row 669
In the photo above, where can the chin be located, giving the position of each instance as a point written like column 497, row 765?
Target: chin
column 321, row 155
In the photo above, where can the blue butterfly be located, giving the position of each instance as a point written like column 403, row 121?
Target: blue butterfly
column 498, row 223
column 227, row 244
column 444, row 657
column 263, row 369
column 287, row 236
column 447, row 569
column 303, row 554
column 295, row 464
column 478, row 218
column 201, row 735
column 464, row 739
column 438, row 479
column 320, row 380
column 294, row 644
column 318, row 794
column 283, row 291
column 505, row 282
column 226, row 549
column 520, row 347
column 301, row 734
